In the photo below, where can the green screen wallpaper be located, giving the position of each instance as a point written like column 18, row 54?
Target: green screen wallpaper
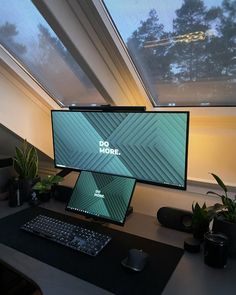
column 148, row 146
column 102, row 195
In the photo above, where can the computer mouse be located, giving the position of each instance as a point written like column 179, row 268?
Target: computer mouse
column 136, row 260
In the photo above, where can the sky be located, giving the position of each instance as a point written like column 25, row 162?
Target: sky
column 127, row 14
column 26, row 17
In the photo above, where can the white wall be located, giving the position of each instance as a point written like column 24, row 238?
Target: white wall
column 148, row 199
column 22, row 113
column 212, row 141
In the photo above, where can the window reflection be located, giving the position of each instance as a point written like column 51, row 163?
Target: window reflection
column 184, row 49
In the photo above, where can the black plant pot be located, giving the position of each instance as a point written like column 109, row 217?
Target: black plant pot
column 25, row 187
column 45, row 197
column 199, row 230
column 20, row 191
column 229, row 229
column 15, row 198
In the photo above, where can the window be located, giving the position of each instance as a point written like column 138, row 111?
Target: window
column 29, row 38
column 184, row 50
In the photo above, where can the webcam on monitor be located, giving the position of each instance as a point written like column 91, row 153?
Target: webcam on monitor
column 108, row 108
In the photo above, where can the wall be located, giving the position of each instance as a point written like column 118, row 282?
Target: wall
column 212, row 144
column 22, row 113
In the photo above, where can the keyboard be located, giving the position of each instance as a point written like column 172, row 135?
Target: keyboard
column 65, row 233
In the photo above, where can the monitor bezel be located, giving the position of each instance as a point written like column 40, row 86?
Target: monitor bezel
column 101, row 218
column 183, row 188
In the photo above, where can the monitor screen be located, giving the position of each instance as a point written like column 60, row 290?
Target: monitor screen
column 102, row 195
column 148, row 146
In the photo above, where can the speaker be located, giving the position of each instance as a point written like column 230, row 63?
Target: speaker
column 62, row 193
column 175, row 218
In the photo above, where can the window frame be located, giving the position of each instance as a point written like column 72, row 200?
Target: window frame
column 97, row 53
column 44, row 98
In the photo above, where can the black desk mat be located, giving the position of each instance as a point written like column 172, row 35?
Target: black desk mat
column 104, row 270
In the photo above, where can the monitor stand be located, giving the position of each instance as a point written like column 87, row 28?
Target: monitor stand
column 130, row 211
column 64, row 172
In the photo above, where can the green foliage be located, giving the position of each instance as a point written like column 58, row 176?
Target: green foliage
column 156, row 60
column 199, row 213
column 183, row 60
column 25, row 161
column 228, row 206
column 202, row 215
column 200, row 220
column 46, row 184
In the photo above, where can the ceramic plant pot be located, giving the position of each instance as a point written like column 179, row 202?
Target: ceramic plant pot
column 229, row 229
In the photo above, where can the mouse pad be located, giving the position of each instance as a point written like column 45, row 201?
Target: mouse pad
column 104, row 270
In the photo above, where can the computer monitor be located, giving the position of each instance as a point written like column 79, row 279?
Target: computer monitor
column 102, row 196
column 148, row 146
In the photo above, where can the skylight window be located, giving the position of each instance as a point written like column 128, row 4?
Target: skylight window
column 184, row 50
column 28, row 37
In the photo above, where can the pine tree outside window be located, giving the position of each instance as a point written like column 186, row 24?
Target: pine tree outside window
column 185, row 50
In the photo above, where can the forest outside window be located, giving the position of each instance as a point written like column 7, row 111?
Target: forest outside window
column 184, row 50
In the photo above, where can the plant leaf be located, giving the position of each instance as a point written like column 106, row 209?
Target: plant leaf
column 220, row 182
column 46, row 183
column 26, row 161
column 214, row 193
column 19, row 162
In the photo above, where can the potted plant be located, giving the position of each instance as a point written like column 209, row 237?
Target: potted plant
column 25, row 163
column 202, row 216
column 45, row 186
column 225, row 219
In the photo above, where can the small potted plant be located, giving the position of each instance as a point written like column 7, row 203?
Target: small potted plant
column 45, row 186
column 25, row 163
column 225, row 219
column 202, row 216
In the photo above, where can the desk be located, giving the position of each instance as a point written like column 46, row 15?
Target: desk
column 191, row 276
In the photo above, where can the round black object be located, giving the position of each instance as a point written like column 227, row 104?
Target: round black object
column 215, row 249
column 192, row 245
